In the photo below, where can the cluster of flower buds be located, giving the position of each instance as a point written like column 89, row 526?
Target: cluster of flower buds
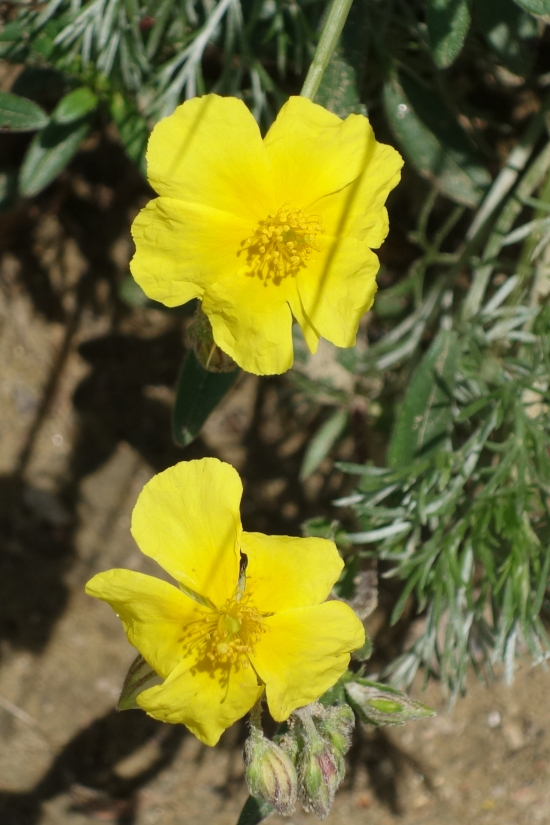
column 306, row 765
column 209, row 355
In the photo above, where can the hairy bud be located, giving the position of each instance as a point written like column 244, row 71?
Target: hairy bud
column 270, row 774
column 336, row 725
column 320, row 771
column 379, row 704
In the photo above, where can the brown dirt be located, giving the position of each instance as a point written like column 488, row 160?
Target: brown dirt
column 86, row 388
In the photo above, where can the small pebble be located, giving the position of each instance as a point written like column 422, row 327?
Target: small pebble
column 493, row 719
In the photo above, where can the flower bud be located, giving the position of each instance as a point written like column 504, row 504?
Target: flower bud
column 379, row 704
column 336, row 726
column 270, row 774
column 321, row 769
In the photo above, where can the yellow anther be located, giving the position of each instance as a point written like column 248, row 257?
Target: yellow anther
column 226, row 635
column 283, row 243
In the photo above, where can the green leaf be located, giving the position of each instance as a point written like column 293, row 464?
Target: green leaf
column 11, row 32
column 12, row 45
column 323, row 441
column 132, row 129
column 540, row 8
column 49, row 153
column 340, row 89
column 433, row 142
column 255, row 811
column 425, row 418
column 75, row 105
column 198, row 393
column 448, row 23
column 139, row 677
column 19, row 114
column 505, row 26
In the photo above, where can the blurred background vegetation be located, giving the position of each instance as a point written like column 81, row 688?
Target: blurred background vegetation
column 448, row 386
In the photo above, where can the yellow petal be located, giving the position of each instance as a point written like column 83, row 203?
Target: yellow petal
column 337, row 287
column 187, row 519
column 314, row 153
column 358, row 209
column 304, row 652
column 206, row 700
column 285, row 572
column 251, row 322
column 152, row 612
column 210, row 152
column 181, row 247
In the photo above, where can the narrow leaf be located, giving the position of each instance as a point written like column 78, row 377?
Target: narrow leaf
column 198, row 393
column 75, row 105
column 49, row 153
column 425, row 418
column 322, row 442
column 448, row 23
column 433, row 142
column 20, row 114
column 255, row 811
column 505, row 26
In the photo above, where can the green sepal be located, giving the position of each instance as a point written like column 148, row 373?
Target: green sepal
column 139, row 677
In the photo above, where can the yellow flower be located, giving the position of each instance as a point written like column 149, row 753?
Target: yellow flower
column 224, row 636
column 262, row 231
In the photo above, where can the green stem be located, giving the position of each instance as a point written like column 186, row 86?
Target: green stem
column 328, row 41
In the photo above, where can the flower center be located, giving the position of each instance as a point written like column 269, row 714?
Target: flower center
column 282, row 243
column 228, row 635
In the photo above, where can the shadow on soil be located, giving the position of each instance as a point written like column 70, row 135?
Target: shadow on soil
column 90, row 769
column 37, row 527
column 87, row 769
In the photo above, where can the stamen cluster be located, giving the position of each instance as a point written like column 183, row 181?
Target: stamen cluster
column 226, row 636
column 283, row 243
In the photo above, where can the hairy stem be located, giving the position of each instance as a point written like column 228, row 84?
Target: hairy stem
column 328, row 41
